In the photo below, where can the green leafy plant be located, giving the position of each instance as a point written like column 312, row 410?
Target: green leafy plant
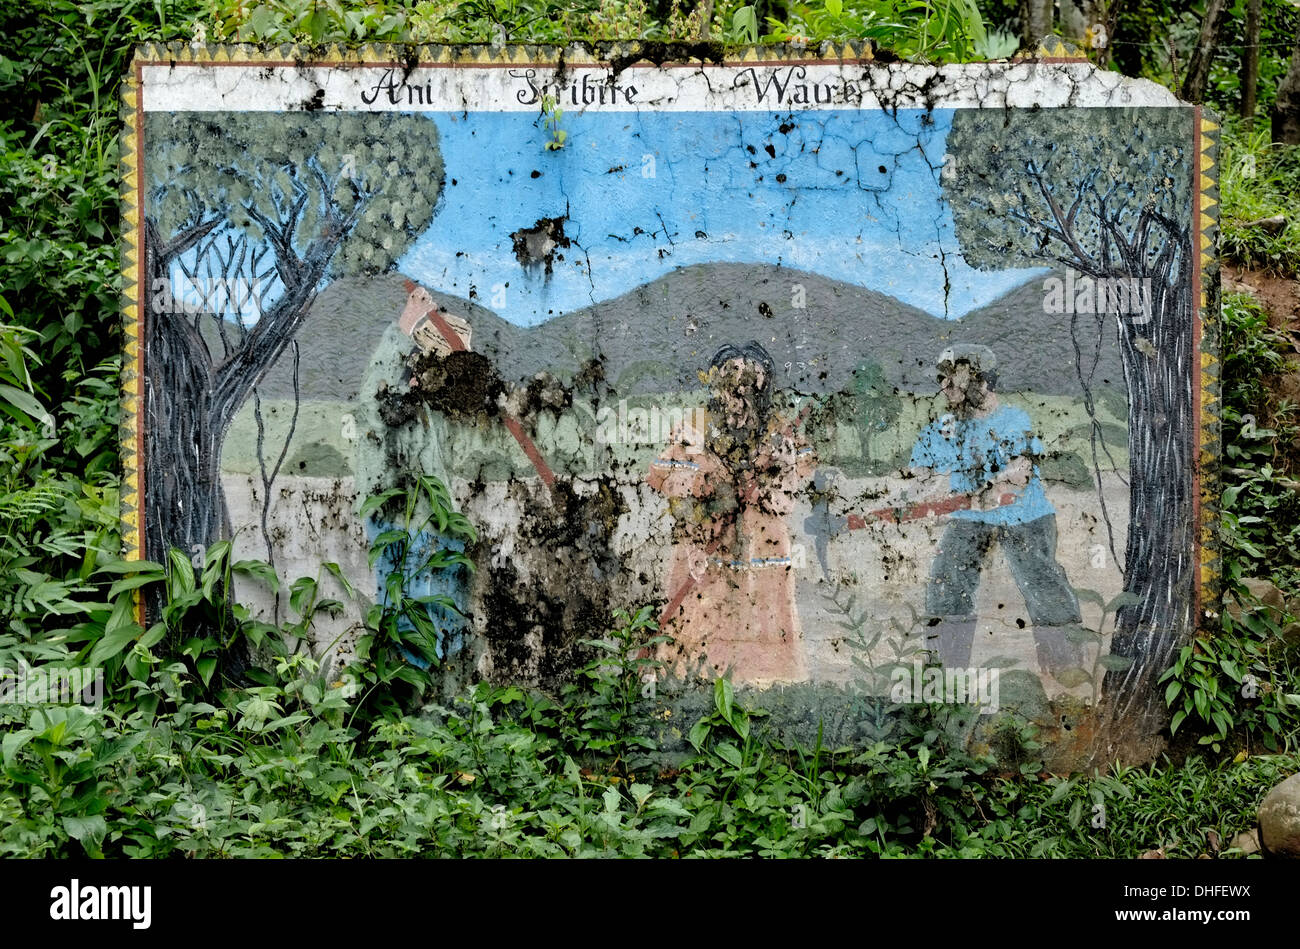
column 744, row 25
column 18, row 398
column 946, row 30
column 718, row 732
column 551, row 116
column 603, row 697
column 402, row 641
column 1238, row 679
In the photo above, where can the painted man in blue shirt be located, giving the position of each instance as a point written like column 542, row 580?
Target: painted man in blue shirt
column 987, row 451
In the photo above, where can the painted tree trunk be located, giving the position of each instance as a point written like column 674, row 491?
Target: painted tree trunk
column 1159, row 567
column 184, row 506
column 191, row 400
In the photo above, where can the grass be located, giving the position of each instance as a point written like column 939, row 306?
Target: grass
column 1258, row 181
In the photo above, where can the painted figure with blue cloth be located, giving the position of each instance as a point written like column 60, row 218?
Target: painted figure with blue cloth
column 986, row 452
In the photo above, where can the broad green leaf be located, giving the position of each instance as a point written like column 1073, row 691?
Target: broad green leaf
column 206, row 667
column 259, row 569
column 728, row 753
column 133, row 566
column 723, row 697
column 699, row 733
column 85, row 829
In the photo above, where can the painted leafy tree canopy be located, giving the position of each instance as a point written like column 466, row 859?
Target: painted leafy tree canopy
column 1106, row 192
column 356, row 186
column 1108, row 196
column 272, row 205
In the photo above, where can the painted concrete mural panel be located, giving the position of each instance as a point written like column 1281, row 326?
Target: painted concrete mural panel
column 850, row 370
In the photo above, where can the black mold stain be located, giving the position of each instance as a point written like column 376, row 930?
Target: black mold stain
column 659, row 53
column 545, row 393
column 536, row 245
column 590, row 377
column 534, row 622
column 558, row 587
column 463, row 385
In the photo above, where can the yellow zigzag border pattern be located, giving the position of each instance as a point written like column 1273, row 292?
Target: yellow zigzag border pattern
column 1210, row 454
column 578, row 54
column 132, row 386
column 1053, row 47
column 1050, row 47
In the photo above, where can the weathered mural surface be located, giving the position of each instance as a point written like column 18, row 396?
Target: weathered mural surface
column 854, row 371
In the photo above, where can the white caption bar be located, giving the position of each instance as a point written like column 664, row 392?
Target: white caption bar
column 242, row 87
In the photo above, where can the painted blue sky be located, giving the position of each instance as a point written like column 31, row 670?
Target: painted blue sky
column 850, row 195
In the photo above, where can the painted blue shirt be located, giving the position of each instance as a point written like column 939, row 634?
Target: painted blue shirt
column 974, row 451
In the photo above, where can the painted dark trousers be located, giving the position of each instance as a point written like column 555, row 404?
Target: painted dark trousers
column 1030, row 550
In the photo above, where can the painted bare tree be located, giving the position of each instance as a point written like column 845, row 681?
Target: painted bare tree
column 248, row 215
column 1108, row 193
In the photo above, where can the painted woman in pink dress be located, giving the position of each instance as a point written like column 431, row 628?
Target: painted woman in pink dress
column 731, row 487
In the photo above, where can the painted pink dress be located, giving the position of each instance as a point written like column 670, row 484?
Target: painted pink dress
column 731, row 581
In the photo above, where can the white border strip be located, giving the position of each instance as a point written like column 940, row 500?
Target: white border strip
column 505, row 87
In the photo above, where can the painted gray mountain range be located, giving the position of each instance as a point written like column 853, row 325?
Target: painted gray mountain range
column 657, row 337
